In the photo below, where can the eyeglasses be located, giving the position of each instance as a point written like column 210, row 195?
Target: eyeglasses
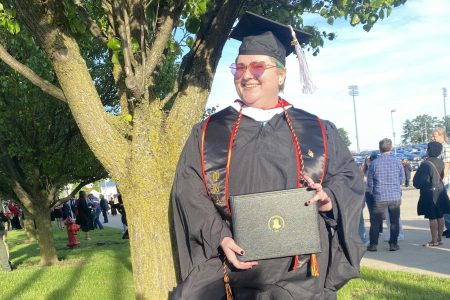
column 256, row 68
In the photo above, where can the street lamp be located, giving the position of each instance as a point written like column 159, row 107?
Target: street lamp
column 444, row 93
column 393, row 131
column 353, row 91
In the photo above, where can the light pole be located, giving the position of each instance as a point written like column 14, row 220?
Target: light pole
column 444, row 93
column 353, row 91
column 393, row 131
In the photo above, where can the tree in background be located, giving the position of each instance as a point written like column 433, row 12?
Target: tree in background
column 140, row 146
column 41, row 147
column 344, row 135
column 419, row 129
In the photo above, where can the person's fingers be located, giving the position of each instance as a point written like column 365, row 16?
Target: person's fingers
column 233, row 246
column 230, row 248
column 308, row 180
column 312, row 184
column 232, row 258
column 323, row 201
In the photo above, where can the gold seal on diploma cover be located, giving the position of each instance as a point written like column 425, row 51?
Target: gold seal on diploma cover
column 276, row 223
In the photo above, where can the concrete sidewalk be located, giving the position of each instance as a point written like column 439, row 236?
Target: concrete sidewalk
column 412, row 256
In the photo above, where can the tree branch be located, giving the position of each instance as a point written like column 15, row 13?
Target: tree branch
column 26, row 72
column 74, row 78
column 89, row 22
column 165, row 31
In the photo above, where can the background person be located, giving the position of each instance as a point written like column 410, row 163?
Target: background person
column 84, row 214
column 4, row 251
column 384, row 179
column 433, row 200
column 104, row 207
column 408, row 169
column 439, row 135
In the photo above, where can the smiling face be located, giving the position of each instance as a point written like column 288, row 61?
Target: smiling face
column 260, row 92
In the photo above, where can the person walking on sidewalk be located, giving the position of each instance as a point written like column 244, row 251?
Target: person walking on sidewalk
column 407, row 167
column 104, row 207
column 384, row 181
column 439, row 135
column 433, row 201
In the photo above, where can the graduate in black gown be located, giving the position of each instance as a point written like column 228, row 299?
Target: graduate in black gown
column 262, row 143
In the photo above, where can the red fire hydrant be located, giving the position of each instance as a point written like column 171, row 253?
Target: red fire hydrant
column 72, row 234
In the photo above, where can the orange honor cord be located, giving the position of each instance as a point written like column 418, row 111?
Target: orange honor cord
column 314, row 265
column 226, row 281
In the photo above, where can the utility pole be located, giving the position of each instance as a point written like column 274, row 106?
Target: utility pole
column 393, row 130
column 353, row 91
column 444, row 93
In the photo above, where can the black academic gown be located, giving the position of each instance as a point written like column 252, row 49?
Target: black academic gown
column 264, row 160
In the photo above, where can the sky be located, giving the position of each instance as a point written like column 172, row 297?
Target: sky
column 402, row 64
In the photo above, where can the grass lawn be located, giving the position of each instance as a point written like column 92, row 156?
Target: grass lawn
column 101, row 269
column 98, row 269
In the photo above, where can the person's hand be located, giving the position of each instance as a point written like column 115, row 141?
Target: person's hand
column 323, row 200
column 230, row 248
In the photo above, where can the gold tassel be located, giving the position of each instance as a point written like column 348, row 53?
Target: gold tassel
column 314, row 266
column 226, row 281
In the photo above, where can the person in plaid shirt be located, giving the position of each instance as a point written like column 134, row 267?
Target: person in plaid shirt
column 384, row 181
column 439, row 135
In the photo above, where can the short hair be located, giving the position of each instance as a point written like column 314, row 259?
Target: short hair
column 441, row 131
column 385, row 145
column 280, row 66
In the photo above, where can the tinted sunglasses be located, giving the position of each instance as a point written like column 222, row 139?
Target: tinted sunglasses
column 256, row 68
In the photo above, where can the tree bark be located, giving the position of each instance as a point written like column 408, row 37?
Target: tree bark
column 146, row 194
column 29, row 227
column 46, row 243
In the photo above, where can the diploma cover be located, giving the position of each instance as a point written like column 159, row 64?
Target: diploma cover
column 275, row 224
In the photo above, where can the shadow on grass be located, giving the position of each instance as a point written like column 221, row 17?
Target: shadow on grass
column 16, row 293
column 380, row 286
column 75, row 265
column 66, row 290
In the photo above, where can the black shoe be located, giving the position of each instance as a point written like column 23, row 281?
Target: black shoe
column 372, row 248
column 394, row 247
column 446, row 233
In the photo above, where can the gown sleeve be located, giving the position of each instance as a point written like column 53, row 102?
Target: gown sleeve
column 198, row 225
column 344, row 183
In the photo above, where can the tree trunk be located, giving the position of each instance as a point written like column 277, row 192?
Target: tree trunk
column 46, row 243
column 146, row 195
column 29, row 227
column 150, row 243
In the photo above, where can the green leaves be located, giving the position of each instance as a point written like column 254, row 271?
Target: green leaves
column 355, row 20
column 127, row 118
column 193, row 24
column 114, row 44
column 8, row 21
column 75, row 24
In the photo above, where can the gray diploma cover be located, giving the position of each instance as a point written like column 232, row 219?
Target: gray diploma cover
column 275, row 224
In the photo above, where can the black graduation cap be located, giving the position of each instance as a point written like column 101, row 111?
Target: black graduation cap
column 263, row 36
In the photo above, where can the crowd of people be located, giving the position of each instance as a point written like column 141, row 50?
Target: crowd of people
column 86, row 210
column 384, row 176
